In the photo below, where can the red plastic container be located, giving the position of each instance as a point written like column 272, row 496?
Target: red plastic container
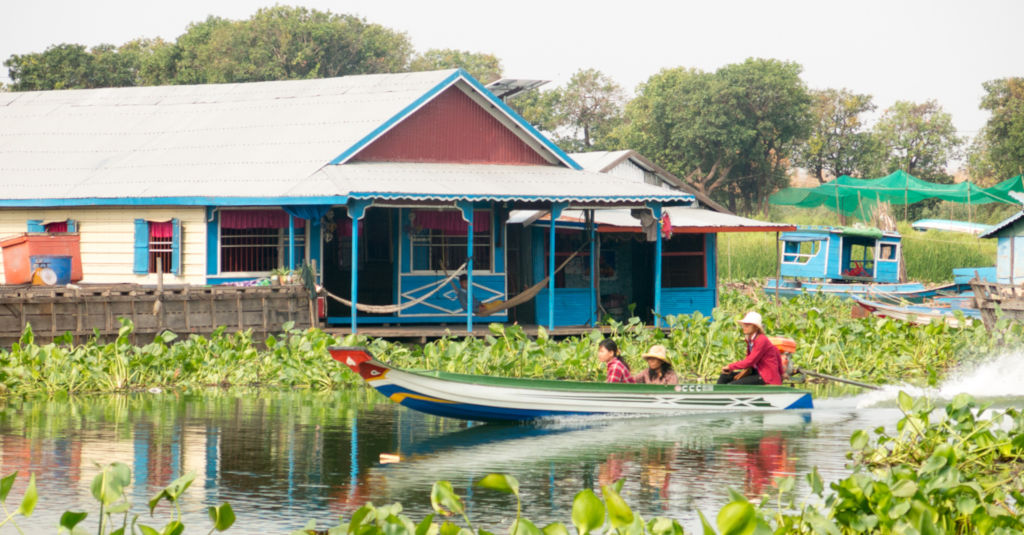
column 18, row 251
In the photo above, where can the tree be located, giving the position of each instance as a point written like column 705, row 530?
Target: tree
column 1003, row 134
column 728, row 133
column 64, row 66
column 581, row 116
column 484, row 67
column 919, row 139
column 837, row 144
column 286, row 43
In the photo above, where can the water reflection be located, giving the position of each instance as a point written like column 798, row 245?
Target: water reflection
column 284, row 458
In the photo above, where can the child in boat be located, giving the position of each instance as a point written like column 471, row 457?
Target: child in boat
column 618, row 370
column 763, row 364
column 659, row 369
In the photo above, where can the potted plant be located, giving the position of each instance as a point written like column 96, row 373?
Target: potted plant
column 281, row 275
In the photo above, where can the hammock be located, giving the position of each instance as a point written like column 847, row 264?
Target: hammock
column 391, row 309
column 526, row 295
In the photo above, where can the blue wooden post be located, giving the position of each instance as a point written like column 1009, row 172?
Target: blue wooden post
column 356, row 211
column 556, row 212
column 467, row 214
column 656, row 209
column 593, row 270
column 291, row 242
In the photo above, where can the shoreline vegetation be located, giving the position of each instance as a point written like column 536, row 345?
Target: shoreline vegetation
column 829, row 340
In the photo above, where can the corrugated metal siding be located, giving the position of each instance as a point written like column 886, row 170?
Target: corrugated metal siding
column 452, row 128
column 108, row 237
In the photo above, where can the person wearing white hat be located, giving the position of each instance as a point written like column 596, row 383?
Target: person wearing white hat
column 762, row 365
column 659, row 369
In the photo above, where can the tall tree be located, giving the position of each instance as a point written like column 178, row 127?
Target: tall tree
column 580, row 116
column 284, row 43
column 838, row 143
column 68, row 66
column 919, row 139
column 729, row 133
column 484, row 67
column 1004, row 131
column 590, row 107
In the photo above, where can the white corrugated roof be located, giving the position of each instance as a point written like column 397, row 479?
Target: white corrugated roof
column 599, row 160
column 442, row 181
column 682, row 218
column 254, row 139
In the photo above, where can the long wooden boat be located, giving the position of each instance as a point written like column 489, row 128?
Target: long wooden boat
column 485, row 398
column 914, row 292
column 954, row 316
column 998, row 300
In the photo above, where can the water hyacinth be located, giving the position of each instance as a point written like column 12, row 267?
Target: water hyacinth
column 829, row 340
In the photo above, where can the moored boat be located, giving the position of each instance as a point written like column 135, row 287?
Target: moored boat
column 949, row 311
column 486, row 398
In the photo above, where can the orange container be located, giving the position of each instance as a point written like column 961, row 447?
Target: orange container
column 17, row 253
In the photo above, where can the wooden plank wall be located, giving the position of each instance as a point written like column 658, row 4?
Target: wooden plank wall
column 184, row 310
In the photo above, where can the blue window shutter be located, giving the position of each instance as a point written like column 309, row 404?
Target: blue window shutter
column 141, row 246
column 176, row 247
column 36, row 225
column 72, row 225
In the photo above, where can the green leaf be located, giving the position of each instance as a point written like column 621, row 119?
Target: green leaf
column 444, row 500
column 708, row 530
column 222, row 516
column 587, row 512
column 70, row 519
column 899, row 510
column 5, row 485
column 449, row 529
column 28, row 502
column 174, row 528
column 618, row 511
column 423, row 528
column 522, row 526
column 814, row 479
column 500, row 482
column 786, row 484
column 146, row 530
column 933, row 463
column 357, row 517
column 555, row 528
column 737, row 518
column 859, row 440
column 906, row 402
column 905, row 488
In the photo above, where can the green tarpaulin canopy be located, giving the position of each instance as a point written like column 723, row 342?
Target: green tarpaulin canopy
column 856, row 196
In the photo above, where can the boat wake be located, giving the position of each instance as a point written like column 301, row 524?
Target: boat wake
column 994, row 379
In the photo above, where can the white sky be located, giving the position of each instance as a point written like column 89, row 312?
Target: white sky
column 892, row 49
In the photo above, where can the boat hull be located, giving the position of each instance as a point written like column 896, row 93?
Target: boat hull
column 913, row 292
column 488, row 399
column 921, row 314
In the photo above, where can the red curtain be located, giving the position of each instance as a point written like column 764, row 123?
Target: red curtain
column 246, row 219
column 450, row 221
column 161, row 229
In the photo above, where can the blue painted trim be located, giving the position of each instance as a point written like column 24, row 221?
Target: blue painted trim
column 141, row 261
column 593, row 269
column 172, row 201
column 212, row 241
column 390, row 195
column 556, row 212
column 315, row 241
column 176, row 246
column 656, row 211
column 467, row 209
column 523, row 123
column 35, row 225
column 72, row 225
column 356, row 211
column 804, row 402
column 291, row 242
column 398, row 117
column 450, row 320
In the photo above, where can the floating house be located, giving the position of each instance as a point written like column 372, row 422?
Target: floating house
column 390, row 186
column 1009, row 249
column 841, row 254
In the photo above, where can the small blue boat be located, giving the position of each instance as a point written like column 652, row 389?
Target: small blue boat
column 847, row 262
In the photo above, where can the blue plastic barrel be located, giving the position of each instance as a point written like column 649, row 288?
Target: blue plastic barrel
column 61, row 266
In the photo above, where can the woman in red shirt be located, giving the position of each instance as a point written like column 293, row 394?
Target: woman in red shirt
column 763, row 364
column 618, row 370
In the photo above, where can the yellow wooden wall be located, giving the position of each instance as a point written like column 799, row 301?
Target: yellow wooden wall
column 108, row 239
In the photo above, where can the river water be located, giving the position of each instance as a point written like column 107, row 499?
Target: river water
column 283, row 459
